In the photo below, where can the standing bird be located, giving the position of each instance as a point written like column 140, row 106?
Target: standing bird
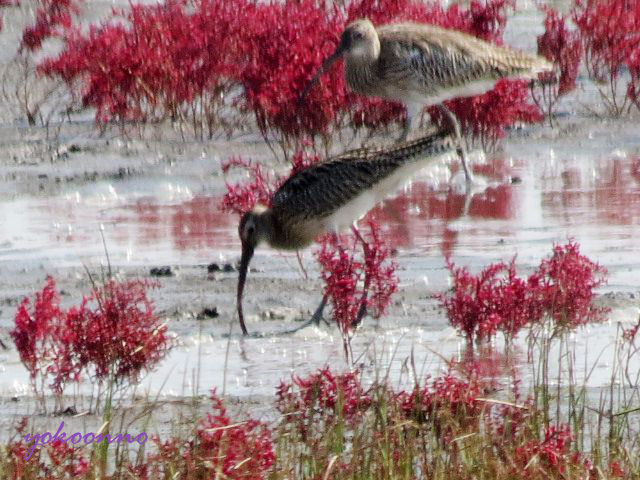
column 331, row 196
column 423, row 65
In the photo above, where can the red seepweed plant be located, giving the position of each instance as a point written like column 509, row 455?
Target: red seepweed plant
column 495, row 299
column 113, row 335
column 563, row 48
column 118, row 333
column 304, row 400
column 355, row 286
column 195, row 61
column 56, row 460
column 567, row 286
column 610, row 35
column 170, row 61
column 53, row 19
column 237, row 450
column 562, row 289
column 44, row 339
column 241, row 197
column 222, row 447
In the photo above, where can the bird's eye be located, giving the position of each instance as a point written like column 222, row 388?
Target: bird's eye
column 357, row 35
column 250, row 230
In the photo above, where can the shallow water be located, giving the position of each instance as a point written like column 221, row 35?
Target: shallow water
column 156, row 220
column 521, row 205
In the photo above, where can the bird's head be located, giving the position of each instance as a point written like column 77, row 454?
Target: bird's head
column 359, row 42
column 253, row 228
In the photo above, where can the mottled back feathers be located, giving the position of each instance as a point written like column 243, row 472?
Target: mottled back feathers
column 321, row 189
column 428, row 59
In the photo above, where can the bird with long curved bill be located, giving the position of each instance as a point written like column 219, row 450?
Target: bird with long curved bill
column 422, row 65
column 330, row 197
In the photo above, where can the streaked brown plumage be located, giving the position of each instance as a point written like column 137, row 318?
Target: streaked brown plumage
column 331, row 196
column 422, row 65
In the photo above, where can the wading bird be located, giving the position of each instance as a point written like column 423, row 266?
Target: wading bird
column 331, row 196
column 422, row 65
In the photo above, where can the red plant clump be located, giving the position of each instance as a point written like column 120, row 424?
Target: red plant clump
column 44, row 339
column 494, row 299
column 287, row 42
column 63, row 462
column 221, row 448
column 67, row 460
column 616, row 470
column 551, row 456
column 448, row 391
column 113, row 332
column 610, row 34
column 53, row 18
column 630, row 334
column 164, row 61
column 356, row 287
column 564, row 49
column 178, row 60
column 487, row 116
column 118, row 332
column 237, row 450
column 323, row 393
column 242, row 196
column 567, row 286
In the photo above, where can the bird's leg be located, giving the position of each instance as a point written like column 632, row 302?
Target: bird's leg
column 462, row 152
column 362, row 311
column 413, row 110
column 317, row 315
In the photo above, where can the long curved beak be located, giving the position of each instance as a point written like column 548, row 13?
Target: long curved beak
column 247, row 253
column 326, row 65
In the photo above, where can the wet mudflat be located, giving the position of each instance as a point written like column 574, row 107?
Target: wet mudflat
column 535, row 192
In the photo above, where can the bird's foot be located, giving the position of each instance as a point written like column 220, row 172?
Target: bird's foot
column 315, row 319
column 312, row 321
column 468, row 174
